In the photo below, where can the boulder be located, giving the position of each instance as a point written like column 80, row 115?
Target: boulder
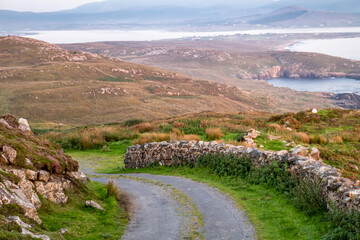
column 28, row 189
column 299, row 150
column 28, row 162
column 9, row 154
column 315, row 153
column 78, row 175
column 5, row 123
column 24, row 228
column 53, row 190
column 93, row 204
column 43, row 176
column 3, row 160
column 24, row 125
column 31, row 175
column 12, row 194
column 18, row 173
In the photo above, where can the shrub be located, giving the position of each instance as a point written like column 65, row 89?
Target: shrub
column 302, row 137
column 229, row 165
column 241, row 137
column 177, row 124
column 213, row 133
column 113, row 190
column 351, row 136
column 190, row 137
column 132, row 122
column 177, row 132
column 275, row 126
column 307, row 196
column 145, row 127
column 167, row 128
column 336, row 139
column 344, row 225
column 317, row 139
column 152, row 137
column 192, row 126
column 91, row 139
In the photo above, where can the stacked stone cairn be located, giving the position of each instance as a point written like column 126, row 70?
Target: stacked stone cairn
column 344, row 192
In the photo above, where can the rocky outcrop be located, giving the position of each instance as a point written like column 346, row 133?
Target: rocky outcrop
column 342, row 191
column 293, row 72
column 25, row 173
column 25, row 228
column 346, row 100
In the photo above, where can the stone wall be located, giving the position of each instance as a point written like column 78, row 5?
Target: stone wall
column 342, row 191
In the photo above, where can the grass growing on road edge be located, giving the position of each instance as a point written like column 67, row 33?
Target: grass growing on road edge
column 99, row 160
column 270, row 212
column 83, row 222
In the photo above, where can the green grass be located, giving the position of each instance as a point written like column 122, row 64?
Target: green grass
column 83, row 222
column 230, row 136
column 275, row 145
column 101, row 161
column 270, row 212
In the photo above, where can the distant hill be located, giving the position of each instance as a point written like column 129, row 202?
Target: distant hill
column 125, row 14
column 297, row 16
column 42, row 82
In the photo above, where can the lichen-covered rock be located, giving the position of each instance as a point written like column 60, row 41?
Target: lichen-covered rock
column 93, row 204
column 28, row 163
column 31, row 175
column 43, row 176
column 24, row 125
column 24, row 228
column 12, row 194
column 28, row 189
column 9, row 153
column 3, row 160
column 315, row 153
column 53, row 190
column 299, row 150
column 78, row 175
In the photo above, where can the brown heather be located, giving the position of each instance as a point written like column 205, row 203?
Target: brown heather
column 145, row 127
column 213, row 133
column 336, row 139
column 302, row 137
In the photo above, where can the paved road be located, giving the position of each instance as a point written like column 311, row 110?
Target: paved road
column 167, row 207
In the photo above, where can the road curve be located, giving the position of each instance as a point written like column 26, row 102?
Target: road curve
column 158, row 216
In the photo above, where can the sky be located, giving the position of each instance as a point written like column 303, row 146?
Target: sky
column 58, row 5
column 42, row 5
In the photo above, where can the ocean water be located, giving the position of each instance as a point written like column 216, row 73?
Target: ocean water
column 334, row 85
column 339, row 47
column 81, row 36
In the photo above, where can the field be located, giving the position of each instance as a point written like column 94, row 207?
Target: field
column 77, row 88
column 334, row 132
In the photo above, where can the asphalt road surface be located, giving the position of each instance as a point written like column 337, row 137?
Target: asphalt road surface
column 168, row 207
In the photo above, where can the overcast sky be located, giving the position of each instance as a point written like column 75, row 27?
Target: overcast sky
column 42, row 5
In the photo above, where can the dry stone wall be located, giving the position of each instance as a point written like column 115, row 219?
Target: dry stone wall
column 344, row 192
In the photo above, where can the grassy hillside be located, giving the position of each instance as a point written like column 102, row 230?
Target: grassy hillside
column 275, row 213
column 44, row 83
column 334, row 132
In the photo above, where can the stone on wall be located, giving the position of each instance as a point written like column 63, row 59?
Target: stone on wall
column 344, row 192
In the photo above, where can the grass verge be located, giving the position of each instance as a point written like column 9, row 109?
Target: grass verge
column 81, row 222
